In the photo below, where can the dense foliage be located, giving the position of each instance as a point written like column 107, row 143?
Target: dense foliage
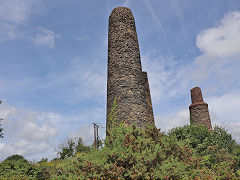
column 189, row 152
column 217, row 148
column 72, row 147
column 16, row 167
column 132, row 153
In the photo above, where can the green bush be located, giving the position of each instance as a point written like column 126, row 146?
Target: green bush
column 217, row 148
column 132, row 153
column 48, row 169
column 17, row 167
column 72, row 147
column 189, row 152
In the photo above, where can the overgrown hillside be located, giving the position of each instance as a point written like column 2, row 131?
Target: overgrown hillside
column 189, row 152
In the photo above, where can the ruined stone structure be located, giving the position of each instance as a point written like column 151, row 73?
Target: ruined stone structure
column 148, row 98
column 125, row 81
column 199, row 113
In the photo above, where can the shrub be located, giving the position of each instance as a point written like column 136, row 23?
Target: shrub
column 217, row 148
column 17, row 167
column 132, row 153
column 189, row 152
column 71, row 147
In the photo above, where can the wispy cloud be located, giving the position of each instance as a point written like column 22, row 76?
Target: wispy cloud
column 76, row 82
column 167, row 77
column 170, row 78
column 37, row 134
column 181, row 118
column 180, row 18
column 219, row 60
column 26, row 132
column 45, row 37
column 158, row 26
column 84, row 80
column 223, row 110
column 215, row 69
column 126, row 3
column 224, row 40
column 86, row 132
column 83, row 38
column 14, row 13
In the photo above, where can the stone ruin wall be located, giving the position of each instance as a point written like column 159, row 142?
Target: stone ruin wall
column 199, row 113
column 125, row 81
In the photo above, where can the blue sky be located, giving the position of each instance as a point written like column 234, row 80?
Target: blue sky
column 53, row 65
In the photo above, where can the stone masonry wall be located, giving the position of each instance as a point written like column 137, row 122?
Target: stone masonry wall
column 199, row 113
column 148, row 98
column 125, row 80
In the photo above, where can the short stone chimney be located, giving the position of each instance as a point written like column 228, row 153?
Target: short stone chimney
column 199, row 114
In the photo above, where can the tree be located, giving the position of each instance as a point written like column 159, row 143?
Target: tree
column 67, row 150
column 80, row 147
column 71, row 147
column 1, row 129
column 17, row 167
column 15, row 157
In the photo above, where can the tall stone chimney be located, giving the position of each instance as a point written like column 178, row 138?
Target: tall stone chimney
column 199, row 113
column 125, row 80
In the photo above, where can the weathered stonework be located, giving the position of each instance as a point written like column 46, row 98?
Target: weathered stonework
column 148, row 98
column 199, row 113
column 125, row 80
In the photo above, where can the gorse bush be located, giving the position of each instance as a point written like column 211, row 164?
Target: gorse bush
column 133, row 153
column 189, row 152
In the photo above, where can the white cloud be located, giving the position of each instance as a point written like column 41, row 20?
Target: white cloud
column 83, row 38
column 45, row 37
column 83, row 80
column 158, row 26
column 219, row 62
column 216, row 70
column 26, row 132
column 38, row 134
column 224, row 112
column 14, row 13
column 86, row 133
column 224, row 40
column 126, row 3
column 181, row 118
column 167, row 78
